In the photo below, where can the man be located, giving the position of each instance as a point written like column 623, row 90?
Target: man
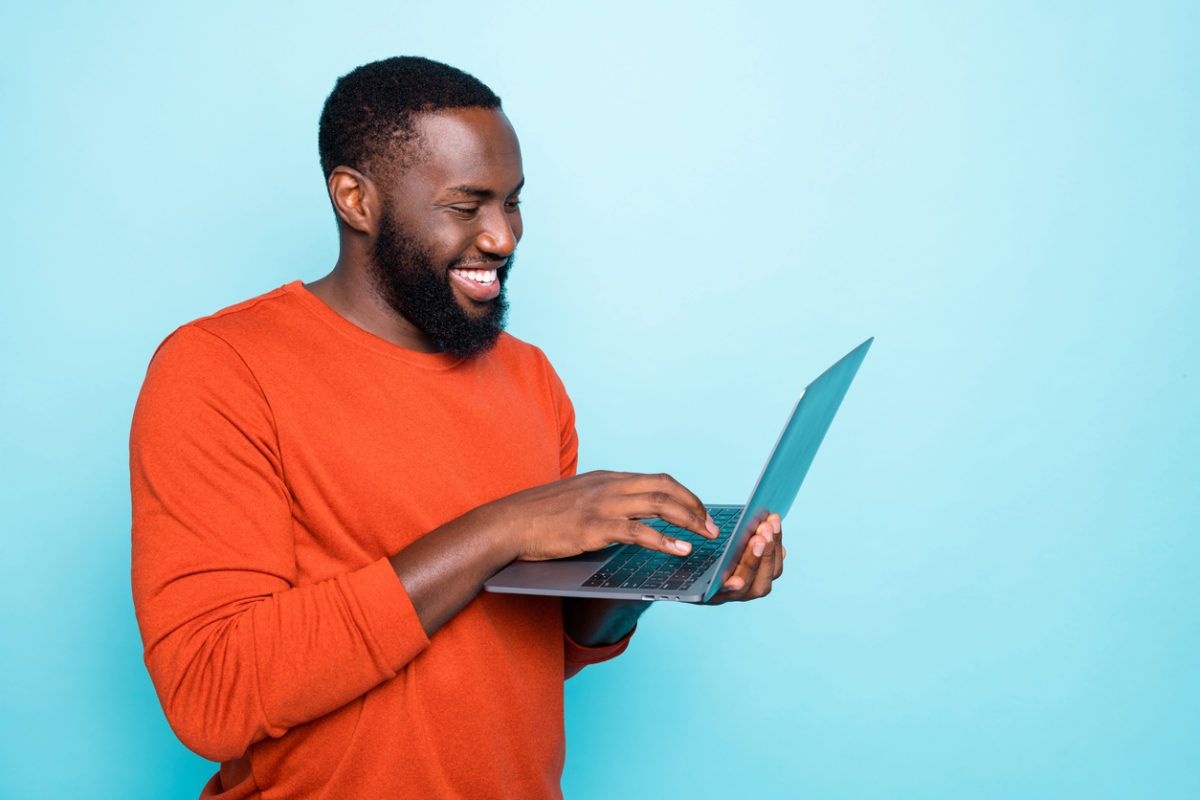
column 324, row 476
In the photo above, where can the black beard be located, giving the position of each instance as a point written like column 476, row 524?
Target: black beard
column 419, row 291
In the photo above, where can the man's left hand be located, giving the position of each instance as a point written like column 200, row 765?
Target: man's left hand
column 760, row 566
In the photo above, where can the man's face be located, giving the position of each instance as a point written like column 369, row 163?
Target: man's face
column 448, row 228
column 420, row 289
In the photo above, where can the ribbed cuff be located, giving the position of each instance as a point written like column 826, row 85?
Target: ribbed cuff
column 578, row 656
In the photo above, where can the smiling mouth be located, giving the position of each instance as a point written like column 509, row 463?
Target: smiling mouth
column 484, row 277
column 478, row 285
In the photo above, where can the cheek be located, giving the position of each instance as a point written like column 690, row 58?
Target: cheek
column 445, row 247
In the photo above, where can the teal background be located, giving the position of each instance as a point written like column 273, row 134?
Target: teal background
column 991, row 588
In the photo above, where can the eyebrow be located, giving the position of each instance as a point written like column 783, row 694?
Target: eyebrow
column 480, row 192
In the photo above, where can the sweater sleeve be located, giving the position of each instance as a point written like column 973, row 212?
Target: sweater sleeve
column 564, row 411
column 578, row 656
column 236, row 648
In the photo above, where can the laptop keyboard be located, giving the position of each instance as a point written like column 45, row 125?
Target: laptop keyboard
column 635, row 567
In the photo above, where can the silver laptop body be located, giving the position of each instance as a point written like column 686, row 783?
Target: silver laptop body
column 634, row 573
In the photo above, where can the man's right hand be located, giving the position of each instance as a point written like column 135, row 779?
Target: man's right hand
column 444, row 569
column 594, row 510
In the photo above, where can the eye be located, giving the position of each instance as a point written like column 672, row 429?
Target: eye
column 513, row 204
column 466, row 212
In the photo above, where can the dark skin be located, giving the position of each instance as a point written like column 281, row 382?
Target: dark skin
column 461, row 197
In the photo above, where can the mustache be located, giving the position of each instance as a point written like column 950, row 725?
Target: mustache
column 484, row 262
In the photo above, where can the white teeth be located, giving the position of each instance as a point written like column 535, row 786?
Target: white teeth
column 484, row 276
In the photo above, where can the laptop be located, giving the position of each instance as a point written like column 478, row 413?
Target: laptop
column 630, row 572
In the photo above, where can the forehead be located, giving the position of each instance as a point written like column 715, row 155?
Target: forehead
column 467, row 146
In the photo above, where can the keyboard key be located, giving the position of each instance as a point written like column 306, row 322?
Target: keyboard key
column 676, row 572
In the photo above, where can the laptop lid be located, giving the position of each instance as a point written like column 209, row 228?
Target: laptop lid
column 791, row 457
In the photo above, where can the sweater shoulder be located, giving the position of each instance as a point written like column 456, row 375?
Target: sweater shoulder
column 266, row 313
column 509, row 346
column 523, row 356
column 264, row 319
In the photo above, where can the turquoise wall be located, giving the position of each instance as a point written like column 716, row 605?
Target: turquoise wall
column 991, row 588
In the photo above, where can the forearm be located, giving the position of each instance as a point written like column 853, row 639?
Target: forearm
column 445, row 569
column 594, row 623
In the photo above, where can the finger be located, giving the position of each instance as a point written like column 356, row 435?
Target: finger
column 735, row 583
column 730, row 591
column 780, row 553
column 747, row 565
column 634, row 532
column 666, row 507
column 665, row 483
column 764, row 575
column 723, row 596
column 670, row 503
column 775, row 524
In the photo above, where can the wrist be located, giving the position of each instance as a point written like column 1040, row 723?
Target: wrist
column 502, row 534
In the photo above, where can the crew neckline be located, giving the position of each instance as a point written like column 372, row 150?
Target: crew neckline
column 367, row 339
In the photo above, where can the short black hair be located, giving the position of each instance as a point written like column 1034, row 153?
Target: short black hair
column 368, row 118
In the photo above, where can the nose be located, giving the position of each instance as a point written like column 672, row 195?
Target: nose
column 499, row 236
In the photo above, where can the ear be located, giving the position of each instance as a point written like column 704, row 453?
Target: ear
column 355, row 199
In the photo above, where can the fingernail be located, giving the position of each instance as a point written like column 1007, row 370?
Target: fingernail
column 712, row 526
column 759, row 547
column 777, row 523
column 767, row 532
column 682, row 546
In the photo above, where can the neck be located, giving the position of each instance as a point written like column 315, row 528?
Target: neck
column 349, row 290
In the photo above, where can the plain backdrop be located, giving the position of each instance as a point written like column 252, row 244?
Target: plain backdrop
column 992, row 581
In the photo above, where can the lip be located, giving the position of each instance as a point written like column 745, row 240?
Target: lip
column 478, row 292
column 487, row 263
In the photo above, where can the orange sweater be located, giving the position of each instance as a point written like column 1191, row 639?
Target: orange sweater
column 279, row 455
